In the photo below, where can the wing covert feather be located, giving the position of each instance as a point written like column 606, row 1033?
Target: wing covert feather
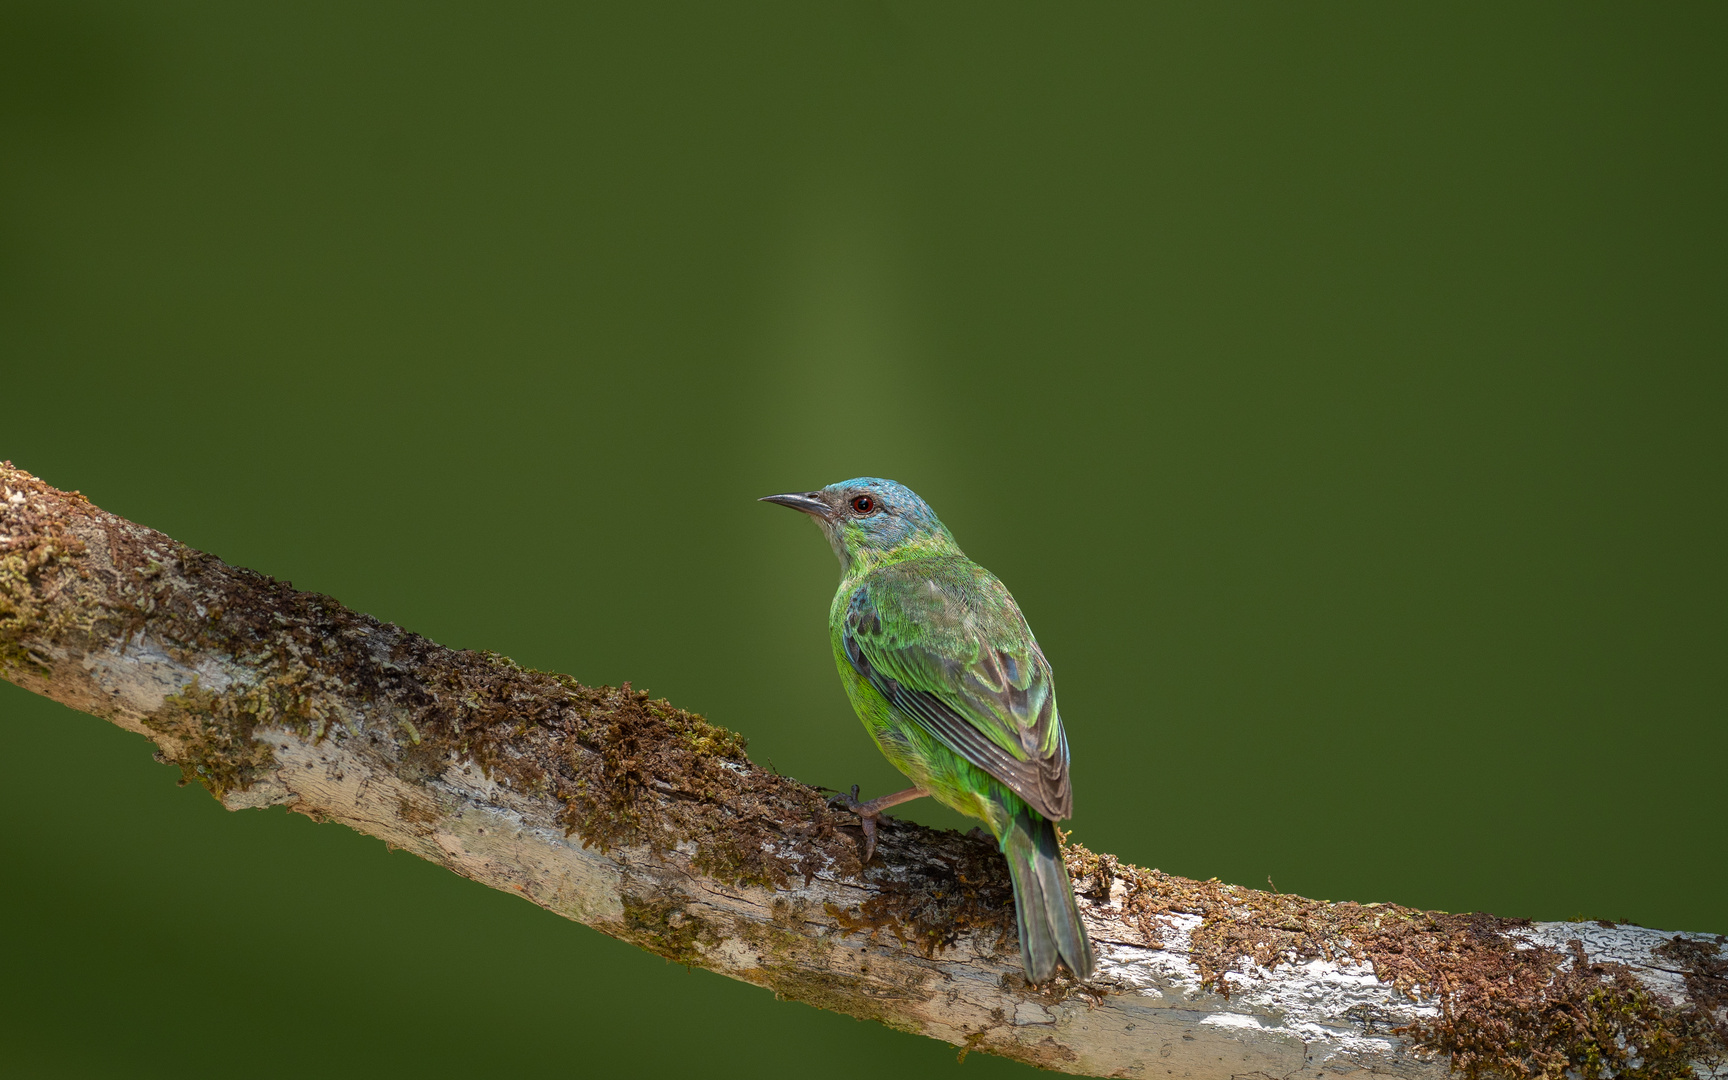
column 945, row 643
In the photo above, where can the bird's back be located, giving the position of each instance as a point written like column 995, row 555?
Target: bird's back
column 942, row 640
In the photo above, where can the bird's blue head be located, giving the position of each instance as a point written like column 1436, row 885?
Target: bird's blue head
column 869, row 521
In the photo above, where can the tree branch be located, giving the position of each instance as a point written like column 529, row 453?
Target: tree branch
column 649, row 824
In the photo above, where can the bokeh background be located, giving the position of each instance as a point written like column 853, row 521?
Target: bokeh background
column 1339, row 387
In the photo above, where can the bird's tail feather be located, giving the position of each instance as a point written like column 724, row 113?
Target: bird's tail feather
column 1049, row 920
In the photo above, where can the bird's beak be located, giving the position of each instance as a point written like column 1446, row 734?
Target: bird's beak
column 806, row 501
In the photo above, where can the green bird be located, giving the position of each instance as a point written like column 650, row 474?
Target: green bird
column 943, row 670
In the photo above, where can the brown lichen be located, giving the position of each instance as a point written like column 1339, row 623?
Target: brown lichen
column 1508, row 1012
column 42, row 596
column 663, row 925
column 642, row 772
column 212, row 738
column 1508, row 1007
column 960, row 888
column 1704, row 967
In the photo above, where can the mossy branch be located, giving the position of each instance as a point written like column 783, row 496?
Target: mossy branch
column 650, row 824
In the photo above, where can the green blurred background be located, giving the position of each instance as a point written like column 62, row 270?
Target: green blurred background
column 1340, row 388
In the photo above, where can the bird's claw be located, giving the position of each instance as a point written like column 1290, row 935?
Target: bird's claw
column 869, row 823
column 867, row 815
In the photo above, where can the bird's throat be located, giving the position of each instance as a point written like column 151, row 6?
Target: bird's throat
column 858, row 559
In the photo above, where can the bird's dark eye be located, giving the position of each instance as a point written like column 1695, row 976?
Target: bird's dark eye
column 863, row 504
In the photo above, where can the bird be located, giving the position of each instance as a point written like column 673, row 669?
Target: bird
column 943, row 670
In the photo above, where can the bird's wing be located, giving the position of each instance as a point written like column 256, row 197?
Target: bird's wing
column 950, row 649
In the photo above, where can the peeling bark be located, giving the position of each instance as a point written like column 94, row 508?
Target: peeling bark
column 649, row 824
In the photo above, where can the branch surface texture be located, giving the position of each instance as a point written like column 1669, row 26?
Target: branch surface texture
column 650, row 824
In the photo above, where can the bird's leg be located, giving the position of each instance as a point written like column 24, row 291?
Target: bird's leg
column 868, row 812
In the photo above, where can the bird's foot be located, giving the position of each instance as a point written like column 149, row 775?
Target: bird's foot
column 866, row 817
column 869, row 812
